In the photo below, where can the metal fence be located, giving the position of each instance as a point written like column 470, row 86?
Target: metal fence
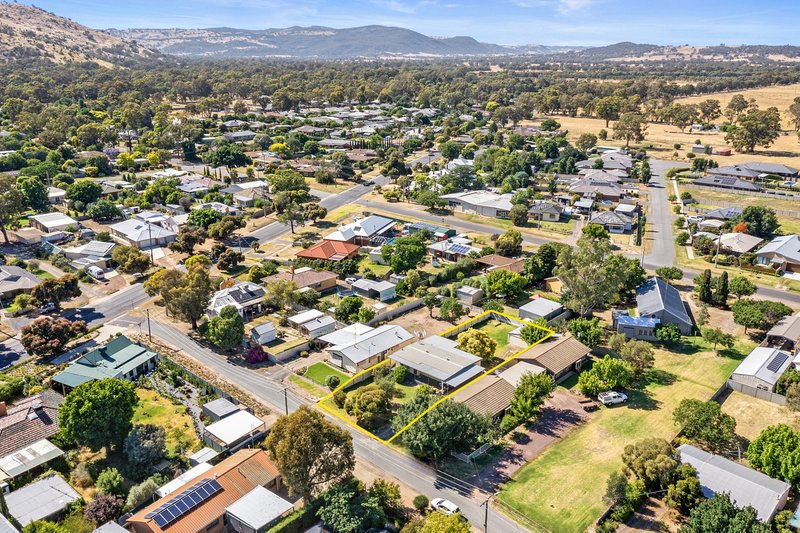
column 757, row 393
column 399, row 310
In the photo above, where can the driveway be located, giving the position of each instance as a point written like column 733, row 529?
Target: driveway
column 560, row 415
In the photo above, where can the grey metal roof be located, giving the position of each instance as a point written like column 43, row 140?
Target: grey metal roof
column 40, row 499
column 724, row 213
column 727, row 182
column 746, row 486
column 110, row 527
column 785, row 246
column 766, row 364
column 440, row 359
column 221, row 407
column 656, row 295
column 771, row 168
column 258, row 508
column 611, row 218
column 787, row 327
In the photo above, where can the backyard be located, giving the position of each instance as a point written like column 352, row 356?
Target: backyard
column 159, row 410
column 588, row 455
column 498, row 331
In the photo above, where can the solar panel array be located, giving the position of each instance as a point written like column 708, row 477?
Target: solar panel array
column 777, row 362
column 184, row 502
column 459, row 249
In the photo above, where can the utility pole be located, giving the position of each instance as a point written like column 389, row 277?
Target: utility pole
column 149, row 331
column 150, row 240
column 286, row 399
column 486, row 512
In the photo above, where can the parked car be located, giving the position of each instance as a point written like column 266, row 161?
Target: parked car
column 46, row 308
column 612, row 397
column 695, row 219
column 351, row 280
column 369, row 183
column 444, row 506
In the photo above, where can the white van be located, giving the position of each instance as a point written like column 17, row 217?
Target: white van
column 96, row 272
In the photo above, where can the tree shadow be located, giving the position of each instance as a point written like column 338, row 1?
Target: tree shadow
column 656, row 376
column 642, row 400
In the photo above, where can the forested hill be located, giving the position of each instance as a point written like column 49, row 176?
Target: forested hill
column 28, row 32
column 314, row 42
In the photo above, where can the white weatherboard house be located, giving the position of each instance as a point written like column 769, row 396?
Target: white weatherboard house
column 481, row 203
column 234, row 431
column 746, row 486
column 358, row 347
column 49, row 222
column 313, row 323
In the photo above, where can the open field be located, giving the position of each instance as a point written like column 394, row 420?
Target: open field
column 156, row 409
column 753, row 414
column 779, row 96
column 564, row 486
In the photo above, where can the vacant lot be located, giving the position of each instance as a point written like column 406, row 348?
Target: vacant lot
column 161, row 411
column 564, row 486
column 753, row 415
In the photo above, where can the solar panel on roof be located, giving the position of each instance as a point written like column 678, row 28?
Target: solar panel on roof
column 459, row 249
column 777, row 362
column 184, row 502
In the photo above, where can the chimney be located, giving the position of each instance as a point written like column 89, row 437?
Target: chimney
column 3, row 409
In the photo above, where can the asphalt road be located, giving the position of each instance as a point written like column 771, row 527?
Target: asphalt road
column 105, row 309
column 411, row 472
column 659, row 217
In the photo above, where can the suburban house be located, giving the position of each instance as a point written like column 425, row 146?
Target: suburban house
column 494, row 261
column 655, row 298
column 263, row 333
column 439, row 362
column 45, row 499
column 746, row 487
column 598, row 188
column 330, row 251
column 785, row 334
column 56, row 195
column 307, row 277
column 15, row 280
column 93, row 253
column 559, row 355
column 541, row 308
column 490, row 395
column 541, row 210
column 484, row 203
column 754, row 170
column 240, row 136
column 380, row 290
column 362, row 231
column 439, row 233
column 219, row 207
column 612, row 221
column 218, row 409
column 469, row 295
column 24, row 430
column 135, row 232
column 737, row 243
column 313, row 324
column 634, row 327
column 723, row 213
column 245, row 296
column 358, row 347
column 175, row 484
column 119, row 358
column 452, row 249
column 50, row 222
column 726, row 182
column 735, row 171
column 782, row 253
column 762, row 368
column 176, row 222
column 227, row 497
column 235, row 431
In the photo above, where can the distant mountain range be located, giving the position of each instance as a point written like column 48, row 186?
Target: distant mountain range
column 318, row 42
column 28, row 32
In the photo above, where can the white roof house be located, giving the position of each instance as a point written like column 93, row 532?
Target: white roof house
column 305, row 316
column 40, row 500
column 313, row 324
column 5, row 525
column 49, row 222
column 257, row 509
column 235, row 430
column 135, row 232
column 762, row 368
column 362, row 229
column 28, row 458
column 440, row 361
column 481, row 202
column 346, row 335
column 746, row 486
column 541, row 308
column 360, row 348
column 181, row 480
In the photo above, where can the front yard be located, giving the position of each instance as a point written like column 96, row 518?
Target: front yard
column 564, row 486
column 319, row 372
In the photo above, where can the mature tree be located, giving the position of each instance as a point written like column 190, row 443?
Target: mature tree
column 542, row 262
column 343, row 510
column 596, row 232
column 630, row 127
column 451, row 310
column 57, row 290
column 310, row 452
column 702, row 286
column 203, row 218
column 589, row 281
column 759, row 220
column 720, row 514
column 518, row 215
column 616, row 488
column 721, row 290
column 609, row 108
column 226, row 330
column 188, row 238
column 741, row 286
column 669, row 273
column 449, row 427
column 279, row 293
column 224, row 228
column 450, row 150
column 442, row 523
column 705, row 422
column 348, row 308
column 529, row 395
column 587, row 330
column 229, row 259
column 369, row 405
column 35, row 192
column 586, row 142
column 293, row 215
column 606, row 374
column 477, row 342
column 709, row 110
column 685, row 494
column 12, row 205
column 501, row 282
column 98, row 413
column 716, row 337
column 47, row 335
column 104, row 508
column 509, row 243
column 104, row 210
column 776, row 452
column 185, row 294
column 759, row 314
column 430, row 300
column 404, row 254
column 86, row 192
column 229, row 156
column 753, row 128
column 653, row 461
column 130, row 259
column 639, row 354
column 668, row 333
column 145, row 445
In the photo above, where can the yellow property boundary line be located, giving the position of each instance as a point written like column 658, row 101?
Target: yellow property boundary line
column 486, row 315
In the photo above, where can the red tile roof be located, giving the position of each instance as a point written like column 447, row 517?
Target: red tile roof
column 330, row 251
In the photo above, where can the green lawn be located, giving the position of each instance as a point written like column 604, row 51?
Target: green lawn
column 156, row 409
column 563, row 487
column 498, row 331
column 319, row 372
column 42, row 274
column 307, row 386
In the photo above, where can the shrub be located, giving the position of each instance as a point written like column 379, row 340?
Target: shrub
column 332, row 382
column 682, row 238
column 420, row 502
column 104, row 508
column 400, row 374
column 255, row 355
column 110, row 481
column 141, row 493
column 339, row 398
column 80, row 476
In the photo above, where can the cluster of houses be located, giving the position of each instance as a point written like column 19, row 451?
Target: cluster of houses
column 747, row 177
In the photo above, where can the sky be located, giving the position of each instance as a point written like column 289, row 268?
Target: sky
column 550, row 22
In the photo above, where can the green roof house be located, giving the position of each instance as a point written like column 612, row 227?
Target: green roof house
column 119, row 358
